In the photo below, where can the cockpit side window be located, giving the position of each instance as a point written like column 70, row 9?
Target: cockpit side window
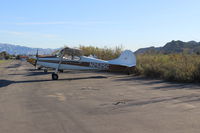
column 73, row 58
column 76, row 58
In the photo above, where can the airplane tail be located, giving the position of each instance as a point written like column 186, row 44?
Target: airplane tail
column 127, row 58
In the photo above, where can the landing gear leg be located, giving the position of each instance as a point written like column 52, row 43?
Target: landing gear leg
column 55, row 74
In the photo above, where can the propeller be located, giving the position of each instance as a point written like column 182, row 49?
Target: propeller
column 36, row 59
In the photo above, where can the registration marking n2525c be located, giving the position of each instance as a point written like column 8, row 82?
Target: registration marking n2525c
column 101, row 66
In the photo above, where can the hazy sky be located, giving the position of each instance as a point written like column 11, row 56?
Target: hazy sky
column 131, row 23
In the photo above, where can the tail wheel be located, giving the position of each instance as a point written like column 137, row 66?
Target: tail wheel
column 128, row 71
column 54, row 76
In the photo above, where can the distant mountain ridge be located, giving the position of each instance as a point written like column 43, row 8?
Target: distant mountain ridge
column 23, row 50
column 173, row 47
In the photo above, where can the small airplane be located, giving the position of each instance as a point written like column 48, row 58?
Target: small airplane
column 73, row 59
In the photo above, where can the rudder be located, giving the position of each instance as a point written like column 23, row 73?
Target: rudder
column 127, row 58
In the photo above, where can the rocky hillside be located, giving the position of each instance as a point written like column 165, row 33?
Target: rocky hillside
column 22, row 50
column 173, row 47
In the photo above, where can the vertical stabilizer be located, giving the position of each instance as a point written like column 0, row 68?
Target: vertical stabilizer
column 127, row 58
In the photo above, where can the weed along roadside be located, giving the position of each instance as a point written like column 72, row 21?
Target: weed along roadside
column 171, row 67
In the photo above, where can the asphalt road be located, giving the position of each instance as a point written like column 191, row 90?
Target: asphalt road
column 94, row 102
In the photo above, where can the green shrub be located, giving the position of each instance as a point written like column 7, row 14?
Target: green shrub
column 173, row 67
column 102, row 53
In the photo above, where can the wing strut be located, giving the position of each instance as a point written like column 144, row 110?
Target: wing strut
column 55, row 74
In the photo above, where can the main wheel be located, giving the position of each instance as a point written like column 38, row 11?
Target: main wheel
column 54, row 76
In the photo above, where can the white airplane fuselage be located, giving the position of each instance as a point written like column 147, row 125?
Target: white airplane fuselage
column 125, row 61
column 85, row 63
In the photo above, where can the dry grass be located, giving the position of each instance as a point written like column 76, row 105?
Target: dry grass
column 173, row 67
column 3, row 61
column 102, row 53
